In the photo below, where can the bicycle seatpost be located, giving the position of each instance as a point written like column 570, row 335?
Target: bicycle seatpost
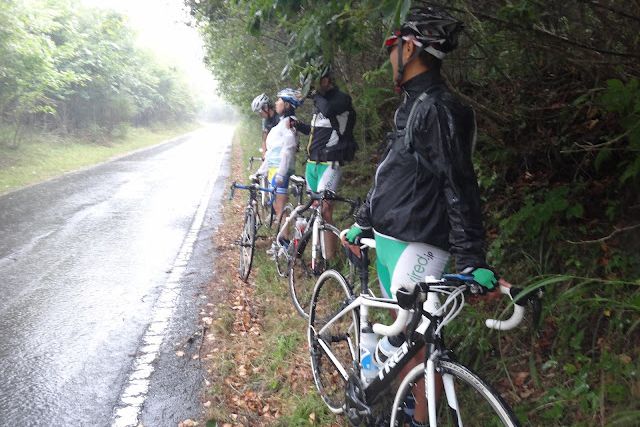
column 364, row 265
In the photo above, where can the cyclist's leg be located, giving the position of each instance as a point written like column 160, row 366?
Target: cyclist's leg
column 282, row 191
column 311, row 176
column 329, row 179
column 403, row 263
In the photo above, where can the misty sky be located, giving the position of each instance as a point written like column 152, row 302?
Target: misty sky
column 161, row 25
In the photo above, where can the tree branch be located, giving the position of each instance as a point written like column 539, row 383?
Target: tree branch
column 616, row 230
column 491, row 114
column 593, row 147
column 544, row 32
column 611, row 9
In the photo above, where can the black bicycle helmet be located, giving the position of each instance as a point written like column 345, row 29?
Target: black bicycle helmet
column 326, row 71
column 434, row 28
column 431, row 29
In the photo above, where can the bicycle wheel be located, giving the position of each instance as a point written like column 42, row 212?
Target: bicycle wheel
column 302, row 276
column 477, row 403
column 284, row 253
column 247, row 243
column 333, row 346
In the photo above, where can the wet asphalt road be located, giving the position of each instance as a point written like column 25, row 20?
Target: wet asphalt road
column 84, row 262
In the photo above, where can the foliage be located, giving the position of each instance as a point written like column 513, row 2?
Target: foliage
column 71, row 69
column 555, row 87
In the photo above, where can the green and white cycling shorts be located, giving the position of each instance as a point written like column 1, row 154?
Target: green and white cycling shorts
column 400, row 262
column 322, row 176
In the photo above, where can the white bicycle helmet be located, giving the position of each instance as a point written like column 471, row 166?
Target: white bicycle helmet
column 261, row 102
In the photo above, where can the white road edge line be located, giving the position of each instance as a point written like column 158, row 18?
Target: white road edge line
column 135, row 391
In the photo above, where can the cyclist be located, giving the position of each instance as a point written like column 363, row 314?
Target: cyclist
column 424, row 205
column 263, row 105
column 281, row 146
column 330, row 135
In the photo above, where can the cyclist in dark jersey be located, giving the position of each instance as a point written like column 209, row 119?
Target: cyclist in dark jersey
column 424, row 205
column 331, row 125
column 262, row 105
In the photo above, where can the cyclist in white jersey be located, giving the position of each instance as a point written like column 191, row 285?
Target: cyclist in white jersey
column 281, row 146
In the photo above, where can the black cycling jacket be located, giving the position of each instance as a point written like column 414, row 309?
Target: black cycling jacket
column 428, row 192
column 332, row 124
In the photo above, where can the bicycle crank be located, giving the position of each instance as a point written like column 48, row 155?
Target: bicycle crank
column 357, row 410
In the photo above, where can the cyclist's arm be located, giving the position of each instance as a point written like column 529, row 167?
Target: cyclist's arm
column 264, row 167
column 451, row 156
column 302, row 127
column 287, row 154
column 263, row 149
column 363, row 215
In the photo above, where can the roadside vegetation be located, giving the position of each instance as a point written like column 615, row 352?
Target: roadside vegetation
column 75, row 89
column 42, row 156
column 557, row 93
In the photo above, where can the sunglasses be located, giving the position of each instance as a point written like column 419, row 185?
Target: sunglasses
column 391, row 42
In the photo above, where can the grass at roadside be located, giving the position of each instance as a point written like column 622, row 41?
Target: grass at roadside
column 45, row 156
column 256, row 347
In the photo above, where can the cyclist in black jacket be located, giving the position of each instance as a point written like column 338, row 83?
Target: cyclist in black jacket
column 330, row 141
column 424, row 205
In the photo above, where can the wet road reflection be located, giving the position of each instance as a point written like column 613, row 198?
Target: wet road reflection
column 83, row 260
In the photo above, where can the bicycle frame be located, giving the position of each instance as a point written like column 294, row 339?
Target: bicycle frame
column 428, row 318
column 316, row 221
column 253, row 193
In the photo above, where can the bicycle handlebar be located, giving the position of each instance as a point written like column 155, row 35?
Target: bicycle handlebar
column 255, row 187
column 516, row 316
column 421, row 294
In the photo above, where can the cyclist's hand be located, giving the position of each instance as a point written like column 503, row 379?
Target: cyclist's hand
column 353, row 234
column 483, row 277
column 253, row 177
column 279, row 180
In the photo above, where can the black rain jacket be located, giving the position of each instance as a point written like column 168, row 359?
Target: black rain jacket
column 426, row 191
column 331, row 126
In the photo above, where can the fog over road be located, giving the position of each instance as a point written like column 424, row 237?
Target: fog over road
column 100, row 274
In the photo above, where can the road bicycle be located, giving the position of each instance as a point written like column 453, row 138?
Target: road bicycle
column 306, row 256
column 265, row 201
column 350, row 383
column 252, row 221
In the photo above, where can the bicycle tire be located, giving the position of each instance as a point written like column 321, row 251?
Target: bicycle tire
column 247, row 243
column 283, row 257
column 302, row 277
column 478, row 403
column 334, row 352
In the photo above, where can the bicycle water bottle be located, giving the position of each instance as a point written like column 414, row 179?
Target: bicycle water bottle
column 301, row 226
column 368, row 366
column 387, row 346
